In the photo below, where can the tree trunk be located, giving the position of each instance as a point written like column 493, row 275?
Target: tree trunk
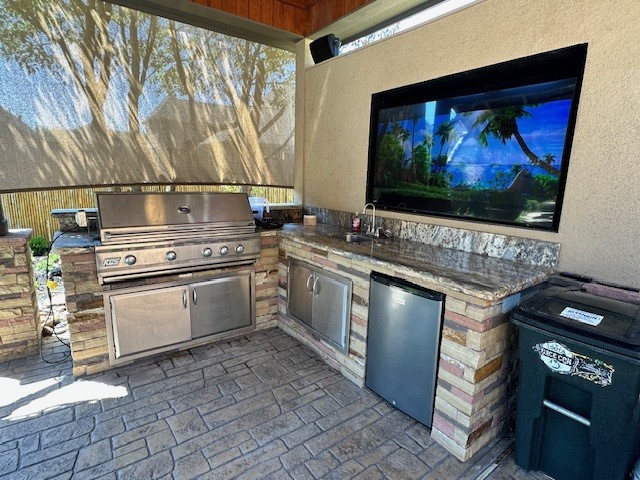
column 535, row 160
column 185, row 80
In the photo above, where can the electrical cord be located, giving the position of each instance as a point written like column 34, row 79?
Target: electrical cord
column 51, row 314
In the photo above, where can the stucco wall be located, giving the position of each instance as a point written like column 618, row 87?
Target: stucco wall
column 600, row 224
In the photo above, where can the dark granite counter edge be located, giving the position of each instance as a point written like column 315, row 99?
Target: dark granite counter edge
column 489, row 279
column 471, row 274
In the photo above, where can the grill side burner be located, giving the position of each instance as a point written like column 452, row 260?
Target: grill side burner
column 146, row 234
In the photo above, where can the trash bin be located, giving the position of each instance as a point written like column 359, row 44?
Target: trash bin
column 578, row 406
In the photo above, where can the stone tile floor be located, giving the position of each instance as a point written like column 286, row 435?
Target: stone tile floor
column 261, row 406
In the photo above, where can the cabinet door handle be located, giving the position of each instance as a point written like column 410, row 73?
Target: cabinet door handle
column 184, row 298
column 309, row 287
column 316, row 286
column 195, row 296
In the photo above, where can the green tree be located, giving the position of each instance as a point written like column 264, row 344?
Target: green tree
column 502, row 124
column 446, row 132
column 390, row 157
column 549, row 158
column 421, row 155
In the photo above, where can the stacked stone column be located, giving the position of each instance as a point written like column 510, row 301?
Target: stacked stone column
column 18, row 302
column 475, row 391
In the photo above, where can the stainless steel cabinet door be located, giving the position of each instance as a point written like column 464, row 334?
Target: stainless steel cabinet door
column 299, row 294
column 220, row 305
column 330, row 308
column 150, row 319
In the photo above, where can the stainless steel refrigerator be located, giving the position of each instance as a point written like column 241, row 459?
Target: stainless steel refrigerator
column 403, row 340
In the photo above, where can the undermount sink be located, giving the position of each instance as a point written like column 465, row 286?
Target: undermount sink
column 358, row 238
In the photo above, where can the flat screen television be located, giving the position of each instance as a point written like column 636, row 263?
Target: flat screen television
column 489, row 145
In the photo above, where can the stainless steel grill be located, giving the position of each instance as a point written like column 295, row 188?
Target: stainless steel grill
column 145, row 234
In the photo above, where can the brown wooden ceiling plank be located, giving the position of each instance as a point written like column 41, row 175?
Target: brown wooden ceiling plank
column 313, row 18
column 229, row 6
column 242, row 8
column 336, row 8
column 255, row 11
column 296, row 3
column 278, row 14
column 267, row 12
column 301, row 17
column 295, row 19
column 325, row 14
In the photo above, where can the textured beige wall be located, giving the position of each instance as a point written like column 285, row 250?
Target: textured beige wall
column 600, row 223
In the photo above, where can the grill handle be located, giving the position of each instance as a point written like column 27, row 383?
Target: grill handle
column 195, row 296
column 184, row 298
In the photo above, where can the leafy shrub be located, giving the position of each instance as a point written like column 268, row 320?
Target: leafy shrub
column 39, row 246
column 54, row 260
column 545, row 187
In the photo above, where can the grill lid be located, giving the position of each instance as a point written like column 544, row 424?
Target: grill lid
column 132, row 216
column 147, row 234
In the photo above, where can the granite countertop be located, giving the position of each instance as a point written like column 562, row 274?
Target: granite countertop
column 477, row 275
column 74, row 240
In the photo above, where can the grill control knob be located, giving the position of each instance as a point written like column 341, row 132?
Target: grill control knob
column 240, row 249
column 130, row 259
column 207, row 252
column 171, row 255
column 224, row 250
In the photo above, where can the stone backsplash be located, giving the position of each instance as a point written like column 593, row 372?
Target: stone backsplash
column 518, row 249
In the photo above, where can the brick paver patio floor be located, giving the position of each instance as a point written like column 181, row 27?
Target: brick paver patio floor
column 261, row 406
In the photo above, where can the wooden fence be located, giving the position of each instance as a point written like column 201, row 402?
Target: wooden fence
column 33, row 209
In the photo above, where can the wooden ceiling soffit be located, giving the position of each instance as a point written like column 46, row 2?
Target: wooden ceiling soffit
column 321, row 13
column 301, row 17
column 288, row 15
column 247, row 25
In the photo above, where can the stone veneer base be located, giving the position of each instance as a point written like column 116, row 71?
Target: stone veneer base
column 85, row 305
column 475, row 393
column 18, row 303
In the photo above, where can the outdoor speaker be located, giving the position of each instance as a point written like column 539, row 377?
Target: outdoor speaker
column 324, row 48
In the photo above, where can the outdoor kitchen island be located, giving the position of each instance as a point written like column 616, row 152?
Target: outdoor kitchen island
column 475, row 381
column 475, row 393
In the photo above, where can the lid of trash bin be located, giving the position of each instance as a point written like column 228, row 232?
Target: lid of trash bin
column 583, row 315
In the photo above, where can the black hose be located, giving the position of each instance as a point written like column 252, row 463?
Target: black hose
column 51, row 314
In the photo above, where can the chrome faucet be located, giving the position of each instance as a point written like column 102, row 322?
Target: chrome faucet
column 372, row 229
